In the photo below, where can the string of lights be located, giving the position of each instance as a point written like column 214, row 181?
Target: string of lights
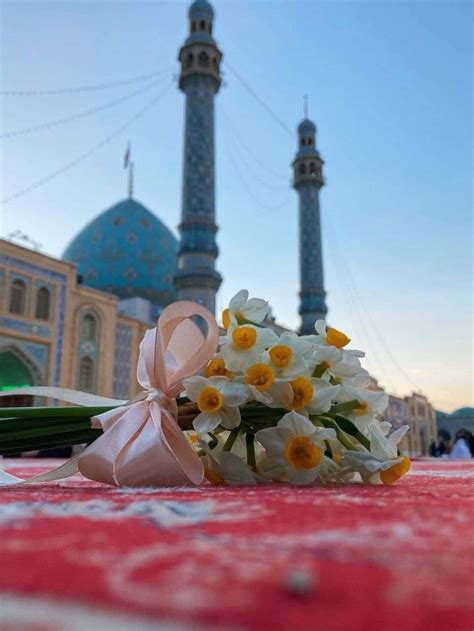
column 259, row 100
column 87, row 88
column 83, row 156
column 80, row 115
column 248, row 189
column 230, row 126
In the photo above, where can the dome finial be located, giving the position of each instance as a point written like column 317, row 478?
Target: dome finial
column 305, row 107
column 128, row 164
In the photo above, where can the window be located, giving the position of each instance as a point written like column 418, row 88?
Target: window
column 303, row 142
column 43, row 303
column 193, row 27
column 302, row 168
column 189, row 60
column 310, row 141
column 203, row 25
column 89, row 327
column 86, row 374
column 312, row 168
column 17, row 297
column 203, row 58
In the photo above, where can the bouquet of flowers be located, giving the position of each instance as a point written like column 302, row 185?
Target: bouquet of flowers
column 264, row 408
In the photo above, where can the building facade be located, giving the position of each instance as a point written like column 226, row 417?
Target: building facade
column 416, row 412
column 196, row 277
column 308, row 181
column 56, row 331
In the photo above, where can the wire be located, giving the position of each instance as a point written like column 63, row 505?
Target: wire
column 364, row 311
column 78, row 115
column 238, row 139
column 86, row 88
column 44, row 180
column 266, row 107
column 249, row 190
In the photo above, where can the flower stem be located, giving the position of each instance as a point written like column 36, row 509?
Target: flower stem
column 250, row 443
column 229, row 443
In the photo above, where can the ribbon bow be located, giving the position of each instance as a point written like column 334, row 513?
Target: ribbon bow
column 142, row 443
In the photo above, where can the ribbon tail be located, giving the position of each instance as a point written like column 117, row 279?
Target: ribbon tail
column 178, row 446
column 66, row 470
column 64, row 394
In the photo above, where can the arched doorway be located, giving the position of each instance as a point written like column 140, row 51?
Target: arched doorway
column 16, row 371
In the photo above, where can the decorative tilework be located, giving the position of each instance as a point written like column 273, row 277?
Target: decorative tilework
column 123, row 347
column 312, row 304
column 25, row 327
column 61, row 279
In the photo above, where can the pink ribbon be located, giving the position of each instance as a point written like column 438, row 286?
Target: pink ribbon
column 142, row 443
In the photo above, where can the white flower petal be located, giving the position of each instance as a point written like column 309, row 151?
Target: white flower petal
column 237, row 302
column 229, row 417
column 194, row 385
column 206, row 422
column 297, row 424
column 273, row 442
column 301, row 477
column 234, row 393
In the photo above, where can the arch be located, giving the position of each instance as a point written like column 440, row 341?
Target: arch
column 43, row 303
column 302, row 168
column 17, row 370
column 203, row 58
column 202, row 25
column 193, row 26
column 86, row 374
column 310, row 141
column 17, row 302
column 189, row 60
column 312, row 168
column 89, row 326
column 303, row 142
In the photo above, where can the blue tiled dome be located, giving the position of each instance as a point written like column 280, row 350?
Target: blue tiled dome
column 201, row 9
column 127, row 251
column 306, row 126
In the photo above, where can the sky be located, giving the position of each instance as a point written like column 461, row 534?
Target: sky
column 390, row 89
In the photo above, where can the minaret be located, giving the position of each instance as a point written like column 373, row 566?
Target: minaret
column 308, row 180
column 196, row 278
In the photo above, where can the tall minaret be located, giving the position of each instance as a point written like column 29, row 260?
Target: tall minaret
column 196, row 278
column 308, row 180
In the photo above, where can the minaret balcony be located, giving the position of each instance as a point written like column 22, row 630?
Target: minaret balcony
column 202, row 59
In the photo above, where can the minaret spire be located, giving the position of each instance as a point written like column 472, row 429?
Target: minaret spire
column 196, row 277
column 308, row 181
column 130, row 179
column 305, row 106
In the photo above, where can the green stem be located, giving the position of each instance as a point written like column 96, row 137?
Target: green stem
column 229, row 443
column 250, row 444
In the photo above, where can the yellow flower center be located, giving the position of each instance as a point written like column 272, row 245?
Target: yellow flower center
column 302, row 393
column 213, row 477
column 244, row 337
column 361, row 409
column 336, row 338
column 210, row 400
column 396, row 472
column 216, row 368
column 226, row 317
column 261, row 376
column 281, row 355
column 300, row 453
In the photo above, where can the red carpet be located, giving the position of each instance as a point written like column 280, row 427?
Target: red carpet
column 81, row 556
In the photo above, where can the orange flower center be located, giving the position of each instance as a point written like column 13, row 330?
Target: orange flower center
column 337, row 338
column 244, row 337
column 213, row 477
column 261, row 376
column 396, row 472
column 210, row 400
column 281, row 355
column 216, row 368
column 302, row 393
column 300, row 453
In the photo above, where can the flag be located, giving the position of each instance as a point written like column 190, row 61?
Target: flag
column 126, row 158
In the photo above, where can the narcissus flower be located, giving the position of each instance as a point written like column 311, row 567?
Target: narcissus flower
column 294, row 449
column 242, row 309
column 224, row 467
column 309, row 395
column 218, row 400
column 330, row 336
column 287, row 355
column 380, row 465
column 372, row 404
column 244, row 346
column 330, row 361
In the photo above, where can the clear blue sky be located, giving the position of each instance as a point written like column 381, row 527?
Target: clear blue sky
column 390, row 88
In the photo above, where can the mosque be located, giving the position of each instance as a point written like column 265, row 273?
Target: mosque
column 77, row 321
